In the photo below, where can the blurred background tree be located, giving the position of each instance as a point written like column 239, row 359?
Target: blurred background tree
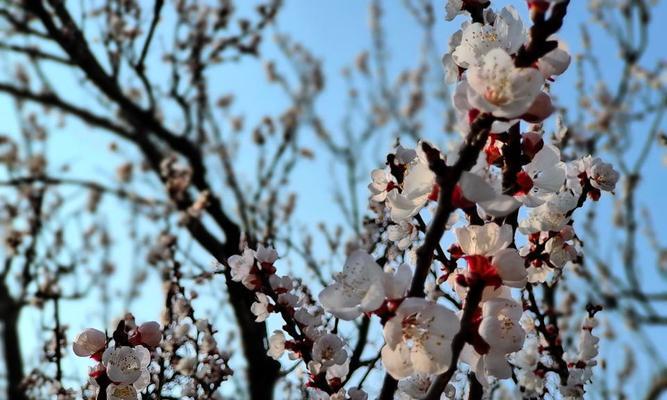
column 141, row 136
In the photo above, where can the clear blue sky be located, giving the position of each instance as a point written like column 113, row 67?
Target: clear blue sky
column 335, row 31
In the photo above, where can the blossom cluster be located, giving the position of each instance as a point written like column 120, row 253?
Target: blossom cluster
column 305, row 335
column 517, row 200
column 122, row 367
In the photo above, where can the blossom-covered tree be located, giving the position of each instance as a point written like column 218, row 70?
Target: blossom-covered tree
column 454, row 267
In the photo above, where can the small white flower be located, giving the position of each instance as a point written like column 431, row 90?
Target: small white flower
column 241, row 265
column 539, row 273
column 403, row 234
column 491, row 241
column 357, row 289
column 260, row 308
column 550, row 216
column 281, row 284
column 122, row 392
column 150, row 333
column 500, row 88
column 417, row 187
column 416, row 386
column 527, row 360
column 328, row 350
column 186, row 366
column 418, row 338
column 382, row 183
column 208, row 343
column 288, row 299
column 89, row 342
column 546, row 175
column 484, row 240
column 266, row 255
column 501, row 330
column 311, row 317
column 453, row 8
column 506, row 33
column 276, row 345
column 602, row 175
column 560, row 253
column 127, row 365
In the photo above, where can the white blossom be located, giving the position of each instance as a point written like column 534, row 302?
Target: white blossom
column 554, row 63
column 498, row 87
column 550, row 216
column 546, row 173
column 241, row 266
column 261, row 307
column 602, row 175
column 501, row 330
column 127, row 365
column 329, row 350
column 276, row 345
column 418, row 185
column 418, row 338
column 403, row 234
column 266, row 255
column 507, row 33
column 491, row 241
column 382, row 182
column 357, row 289
column 397, row 284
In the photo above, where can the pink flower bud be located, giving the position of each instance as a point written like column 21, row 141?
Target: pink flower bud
column 554, row 63
column 540, row 110
column 151, row 334
column 567, row 233
column 89, row 342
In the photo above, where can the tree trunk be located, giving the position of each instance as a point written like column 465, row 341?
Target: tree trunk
column 12, row 350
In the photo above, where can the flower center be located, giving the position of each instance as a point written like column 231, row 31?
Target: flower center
column 496, row 95
column 524, row 182
column 480, row 268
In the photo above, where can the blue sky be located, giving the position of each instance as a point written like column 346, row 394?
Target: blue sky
column 335, row 31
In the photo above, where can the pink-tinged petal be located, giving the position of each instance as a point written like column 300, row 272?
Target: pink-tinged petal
column 501, row 206
column 540, row 110
column 397, row 362
column 89, row 342
column 431, row 356
column 500, row 326
column 374, row 296
column 151, row 333
column 337, row 300
column 475, row 188
column 554, row 63
column 393, row 332
column 397, row 284
column 510, row 266
column 497, row 366
column 484, row 240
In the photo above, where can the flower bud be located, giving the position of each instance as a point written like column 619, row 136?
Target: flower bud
column 89, row 342
column 151, row 334
column 540, row 110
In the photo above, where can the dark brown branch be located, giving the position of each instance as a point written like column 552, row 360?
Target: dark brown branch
column 466, row 331
column 52, row 100
column 542, row 29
